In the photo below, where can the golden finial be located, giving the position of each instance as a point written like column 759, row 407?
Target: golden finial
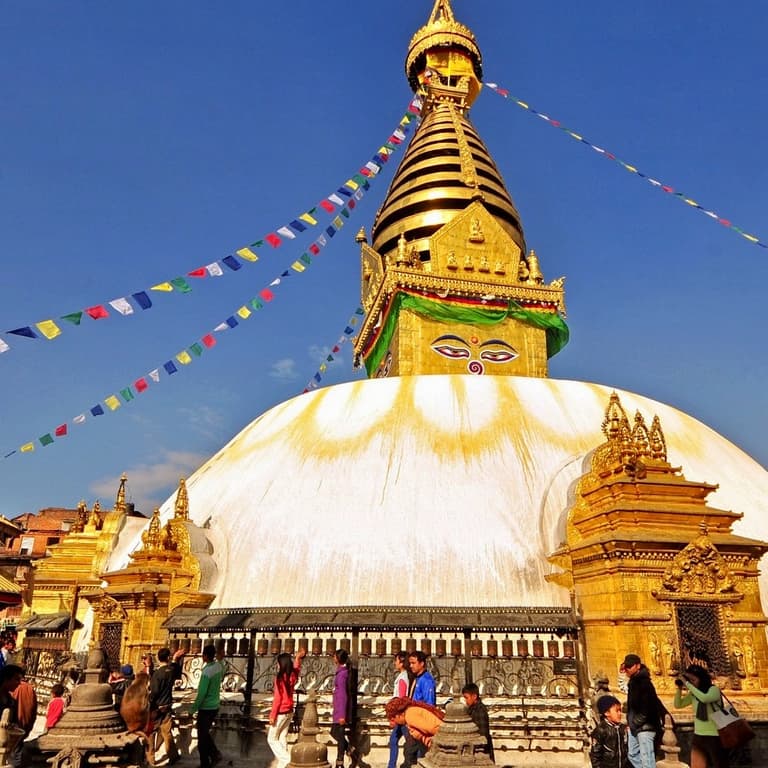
column 441, row 12
column 628, row 452
column 536, row 275
column 402, row 256
column 657, row 440
column 95, row 519
column 81, row 519
column 614, row 415
column 361, row 236
column 152, row 537
column 120, row 505
column 640, row 436
column 182, row 502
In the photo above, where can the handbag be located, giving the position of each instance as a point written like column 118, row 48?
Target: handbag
column 734, row 731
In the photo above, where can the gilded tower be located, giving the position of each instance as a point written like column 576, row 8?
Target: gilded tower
column 448, row 285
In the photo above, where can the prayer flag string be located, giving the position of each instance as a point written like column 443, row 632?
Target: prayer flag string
column 183, row 358
column 682, row 196
column 333, row 204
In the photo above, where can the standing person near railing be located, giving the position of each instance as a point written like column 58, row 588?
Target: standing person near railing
column 288, row 671
column 695, row 687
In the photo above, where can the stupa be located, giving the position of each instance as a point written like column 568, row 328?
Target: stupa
column 442, row 503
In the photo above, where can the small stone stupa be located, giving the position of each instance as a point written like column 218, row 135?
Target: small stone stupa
column 308, row 751
column 458, row 742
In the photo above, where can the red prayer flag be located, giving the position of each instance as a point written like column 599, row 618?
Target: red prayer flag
column 208, row 340
column 273, row 240
column 336, row 348
column 140, row 384
column 314, row 249
column 266, row 294
column 61, row 430
column 202, row 272
column 98, row 312
column 327, row 206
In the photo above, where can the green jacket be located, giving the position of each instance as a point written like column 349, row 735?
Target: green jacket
column 209, row 688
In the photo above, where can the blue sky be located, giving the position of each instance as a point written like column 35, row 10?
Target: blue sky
column 143, row 140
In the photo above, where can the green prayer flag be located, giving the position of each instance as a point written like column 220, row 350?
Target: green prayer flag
column 46, row 439
column 306, row 258
column 126, row 394
column 180, row 284
column 256, row 304
column 196, row 349
column 73, row 317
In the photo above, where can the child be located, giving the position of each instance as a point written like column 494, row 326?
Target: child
column 609, row 739
column 55, row 706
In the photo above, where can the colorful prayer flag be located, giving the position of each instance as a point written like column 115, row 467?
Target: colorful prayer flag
column 244, row 312
column 286, row 233
column 27, row 447
column 196, row 349
column 3, row 346
column 214, row 270
column 232, row 263
column 164, row 287
column 326, row 206
column 184, row 357
column 142, row 299
column 266, row 294
column 314, row 249
column 155, row 375
column 309, row 219
column 49, row 329
column 79, row 419
column 247, row 254
column 97, row 313
column 141, row 385
column 334, row 198
column 122, row 306
column 208, row 340
column 273, row 240
column 180, row 284
column 200, row 272
column 26, row 331
column 170, row 367
column 298, row 226
column 61, row 430
column 112, row 402
column 127, row 394
column 45, row 439
column 97, row 410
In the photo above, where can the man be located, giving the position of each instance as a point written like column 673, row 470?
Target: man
column 643, row 713
column 10, row 679
column 422, row 689
column 479, row 714
column 161, row 700
column 206, row 705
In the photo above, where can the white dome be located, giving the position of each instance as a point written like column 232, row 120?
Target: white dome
column 426, row 490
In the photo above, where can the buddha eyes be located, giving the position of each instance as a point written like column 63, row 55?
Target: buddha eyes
column 455, row 353
column 497, row 355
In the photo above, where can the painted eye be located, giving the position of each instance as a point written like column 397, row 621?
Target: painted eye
column 455, row 353
column 498, row 355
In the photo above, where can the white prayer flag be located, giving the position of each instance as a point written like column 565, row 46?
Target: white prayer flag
column 214, row 270
column 122, row 306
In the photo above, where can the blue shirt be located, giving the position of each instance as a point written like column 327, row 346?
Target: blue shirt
column 424, row 689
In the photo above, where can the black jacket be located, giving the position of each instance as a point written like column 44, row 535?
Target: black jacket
column 644, row 710
column 609, row 746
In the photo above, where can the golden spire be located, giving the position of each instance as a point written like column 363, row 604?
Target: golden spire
column 182, row 502
column 82, row 518
column 152, row 538
column 120, row 505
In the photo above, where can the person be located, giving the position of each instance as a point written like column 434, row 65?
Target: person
column 55, row 706
column 119, row 680
column 206, row 704
column 340, row 704
column 288, row 671
column 148, row 664
column 422, row 689
column 609, row 746
column 26, row 715
column 10, row 678
column 402, row 683
column 643, row 713
column 421, row 719
column 161, row 700
column 695, row 687
column 479, row 714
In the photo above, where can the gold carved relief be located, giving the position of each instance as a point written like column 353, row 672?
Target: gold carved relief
column 699, row 569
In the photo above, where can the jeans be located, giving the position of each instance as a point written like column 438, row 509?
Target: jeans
column 394, row 744
column 642, row 753
column 338, row 732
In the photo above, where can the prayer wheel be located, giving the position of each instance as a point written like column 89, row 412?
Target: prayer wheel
column 538, row 648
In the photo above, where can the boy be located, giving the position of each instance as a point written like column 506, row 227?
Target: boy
column 609, row 739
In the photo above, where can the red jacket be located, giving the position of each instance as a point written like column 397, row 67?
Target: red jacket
column 282, row 702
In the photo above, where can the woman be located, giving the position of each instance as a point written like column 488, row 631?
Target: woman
column 702, row 693
column 422, row 720
column 340, row 704
column 282, row 705
column 402, row 684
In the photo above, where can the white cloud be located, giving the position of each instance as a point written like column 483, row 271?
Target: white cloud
column 320, row 354
column 149, row 485
column 284, row 369
column 205, row 420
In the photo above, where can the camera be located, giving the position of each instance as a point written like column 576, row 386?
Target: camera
column 679, row 682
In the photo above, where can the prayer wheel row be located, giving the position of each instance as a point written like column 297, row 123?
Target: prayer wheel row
column 457, row 646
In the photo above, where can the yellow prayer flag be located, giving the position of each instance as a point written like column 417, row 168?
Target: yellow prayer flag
column 297, row 266
column 247, row 254
column 244, row 312
column 27, row 447
column 630, row 167
column 162, row 287
column 351, row 183
column 309, row 219
column 112, row 402
column 523, row 104
column 49, row 329
column 575, row 135
column 338, row 223
column 184, row 357
column 323, row 368
column 691, row 202
column 751, row 238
